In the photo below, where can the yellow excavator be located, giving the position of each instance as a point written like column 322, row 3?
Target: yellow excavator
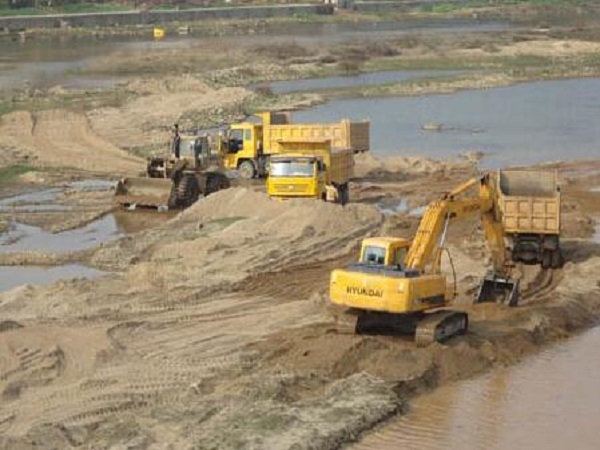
column 397, row 287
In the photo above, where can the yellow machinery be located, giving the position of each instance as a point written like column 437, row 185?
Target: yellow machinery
column 247, row 146
column 310, row 170
column 176, row 181
column 398, row 287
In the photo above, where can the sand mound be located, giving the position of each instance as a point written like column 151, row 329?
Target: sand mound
column 61, row 138
column 238, row 232
column 367, row 164
column 157, row 105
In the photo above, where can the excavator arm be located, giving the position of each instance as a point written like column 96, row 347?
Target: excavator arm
column 428, row 244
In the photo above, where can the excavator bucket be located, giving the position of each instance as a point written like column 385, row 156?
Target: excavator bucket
column 498, row 289
column 143, row 192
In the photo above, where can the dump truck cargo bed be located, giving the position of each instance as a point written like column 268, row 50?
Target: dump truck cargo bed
column 343, row 135
column 529, row 201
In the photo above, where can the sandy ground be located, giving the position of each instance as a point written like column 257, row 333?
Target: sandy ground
column 63, row 139
column 214, row 330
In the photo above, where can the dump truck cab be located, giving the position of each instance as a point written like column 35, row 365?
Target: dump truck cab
column 296, row 175
column 242, row 148
column 310, row 169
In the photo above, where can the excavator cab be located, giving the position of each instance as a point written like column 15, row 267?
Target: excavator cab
column 384, row 251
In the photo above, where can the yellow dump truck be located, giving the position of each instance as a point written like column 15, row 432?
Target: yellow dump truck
column 530, row 204
column 247, row 146
column 310, row 169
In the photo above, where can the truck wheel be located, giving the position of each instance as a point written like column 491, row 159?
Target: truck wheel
column 557, row 259
column 187, row 191
column 546, row 256
column 345, row 194
column 247, row 170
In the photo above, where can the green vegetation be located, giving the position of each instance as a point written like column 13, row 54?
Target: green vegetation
column 8, row 174
column 8, row 8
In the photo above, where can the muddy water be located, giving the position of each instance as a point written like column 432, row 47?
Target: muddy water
column 551, row 401
column 13, row 276
column 523, row 124
column 42, row 62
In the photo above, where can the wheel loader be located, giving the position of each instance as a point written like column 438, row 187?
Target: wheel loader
column 177, row 181
column 397, row 286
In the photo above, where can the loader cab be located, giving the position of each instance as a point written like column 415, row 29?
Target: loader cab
column 384, row 251
column 195, row 149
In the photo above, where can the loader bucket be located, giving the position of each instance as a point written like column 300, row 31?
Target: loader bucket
column 498, row 289
column 143, row 192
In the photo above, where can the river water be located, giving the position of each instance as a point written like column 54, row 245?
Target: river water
column 517, row 125
column 47, row 61
column 550, row 401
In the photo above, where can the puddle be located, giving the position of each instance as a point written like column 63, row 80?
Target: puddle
column 45, row 200
column 13, row 276
column 392, row 206
column 364, row 79
column 518, row 125
column 548, row 401
column 23, row 238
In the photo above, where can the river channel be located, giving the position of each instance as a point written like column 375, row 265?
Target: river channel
column 550, row 401
column 37, row 61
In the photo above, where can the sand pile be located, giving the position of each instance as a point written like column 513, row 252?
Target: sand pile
column 366, row 164
column 61, row 138
column 156, row 105
column 238, row 232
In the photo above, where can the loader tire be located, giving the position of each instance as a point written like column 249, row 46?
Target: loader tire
column 187, row 191
column 215, row 183
column 247, row 170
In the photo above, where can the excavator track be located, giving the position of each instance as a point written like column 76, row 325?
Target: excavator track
column 440, row 326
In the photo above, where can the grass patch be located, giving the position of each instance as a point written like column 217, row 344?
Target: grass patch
column 9, row 173
column 224, row 222
column 73, row 8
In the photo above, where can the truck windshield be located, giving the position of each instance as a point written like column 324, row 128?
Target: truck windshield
column 292, row 168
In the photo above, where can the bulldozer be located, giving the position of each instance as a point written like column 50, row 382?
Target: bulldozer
column 177, row 181
column 397, row 286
